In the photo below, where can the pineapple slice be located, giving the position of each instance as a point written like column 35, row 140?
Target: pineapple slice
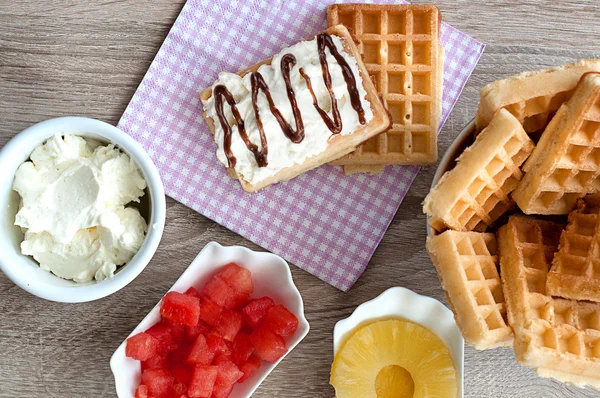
column 394, row 359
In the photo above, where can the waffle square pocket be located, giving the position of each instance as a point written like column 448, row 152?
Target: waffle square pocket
column 467, row 264
column 565, row 164
column 403, row 55
column 476, row 192
column 558, row 338
column 575, row 272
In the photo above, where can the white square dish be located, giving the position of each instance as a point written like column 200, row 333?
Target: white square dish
column 271, row 277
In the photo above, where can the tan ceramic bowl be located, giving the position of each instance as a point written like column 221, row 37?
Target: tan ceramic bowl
column 464, row 139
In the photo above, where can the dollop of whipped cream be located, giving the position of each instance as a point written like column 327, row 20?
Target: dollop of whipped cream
column 73, row 196
column 283, row 152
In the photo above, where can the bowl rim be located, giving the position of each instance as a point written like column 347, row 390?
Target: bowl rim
column 449, row 156
column 444, row 325
column 213, row 249
column 93, row 128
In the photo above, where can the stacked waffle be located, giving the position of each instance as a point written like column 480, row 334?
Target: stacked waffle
column 545, row 300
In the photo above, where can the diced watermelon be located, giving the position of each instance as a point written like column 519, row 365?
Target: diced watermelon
column 229, row 325
column 180, row 308
column 203, row 381
column 256, row 310
column 242, row 349
column 179, row 368
column 210, row 311
column 281, row 321
column 219, row 292
column 240, row 279
column 200, row 353
column 193, row 292
column 228, row 373
column 177, row 329
column 217, row 344
column 221, row 391
column 192, row 332
column 179, row 389
column 141, row 392
column 156, row 362
column 268, row 345
column 142, row 346
column 250, row 367
column 159, row 382
column 162, row 333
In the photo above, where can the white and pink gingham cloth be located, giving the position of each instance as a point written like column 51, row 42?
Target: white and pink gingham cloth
column 324, row 222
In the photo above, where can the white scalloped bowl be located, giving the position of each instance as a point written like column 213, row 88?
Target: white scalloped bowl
column 271, row 277
column 402, row 303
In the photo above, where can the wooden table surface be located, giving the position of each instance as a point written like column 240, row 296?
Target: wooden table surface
column 86, row 58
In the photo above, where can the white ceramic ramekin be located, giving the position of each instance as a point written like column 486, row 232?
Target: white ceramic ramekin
column 271, row 277
column 23, row 270
column 401, row 303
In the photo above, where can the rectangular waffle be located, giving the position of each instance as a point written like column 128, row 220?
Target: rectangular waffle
column 532, row 97
column 575, row 272
column 401, row 50
column 475, row 193
column 558, row 338
column 339, row 144
column 467, row 263
column 565, row 164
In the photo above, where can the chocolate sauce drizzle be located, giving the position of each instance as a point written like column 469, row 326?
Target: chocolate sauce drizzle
column 258, row 84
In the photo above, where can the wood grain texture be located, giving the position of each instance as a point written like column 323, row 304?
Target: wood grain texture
column 64, row 57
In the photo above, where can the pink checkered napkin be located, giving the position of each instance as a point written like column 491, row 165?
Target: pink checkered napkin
column 324, row 222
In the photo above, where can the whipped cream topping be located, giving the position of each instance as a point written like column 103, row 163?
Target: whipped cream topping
column 282, row 152
column 73, row 213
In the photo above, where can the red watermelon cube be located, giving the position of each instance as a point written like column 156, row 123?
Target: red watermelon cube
column 203, row 381
column 141, row 392
column 193, row 292
column 179, row 389
column 242, row 349
column 180, row 308
column 192, row 332
column 228, row 374
column 250, row 367
column 200, row 353
column 229, row 325
column 177, row 329
column 219, row 292
column 142, row 346
column 210, row 312
column 176, row 363
column 156, row 362
column 217, row 344
column 240, row 279
column 159, row 382
column 281, row 321
column 162, row 333
column 222, row 391
column 268, row 345
column 256, row 310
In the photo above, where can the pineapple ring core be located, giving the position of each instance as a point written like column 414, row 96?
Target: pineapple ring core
column 394, row 359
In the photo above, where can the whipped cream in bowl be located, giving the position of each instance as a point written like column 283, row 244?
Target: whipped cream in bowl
column 84, row 209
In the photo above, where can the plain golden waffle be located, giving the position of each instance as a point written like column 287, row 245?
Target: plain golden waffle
column 475, row 193
column 558, row 338
column 566, row 162
column 402, row 53
column 532, row 97
column 340, row 144
column 575, row 272
column 467, row 263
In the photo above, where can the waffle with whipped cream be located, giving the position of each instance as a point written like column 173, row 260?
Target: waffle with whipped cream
column 310, row 104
